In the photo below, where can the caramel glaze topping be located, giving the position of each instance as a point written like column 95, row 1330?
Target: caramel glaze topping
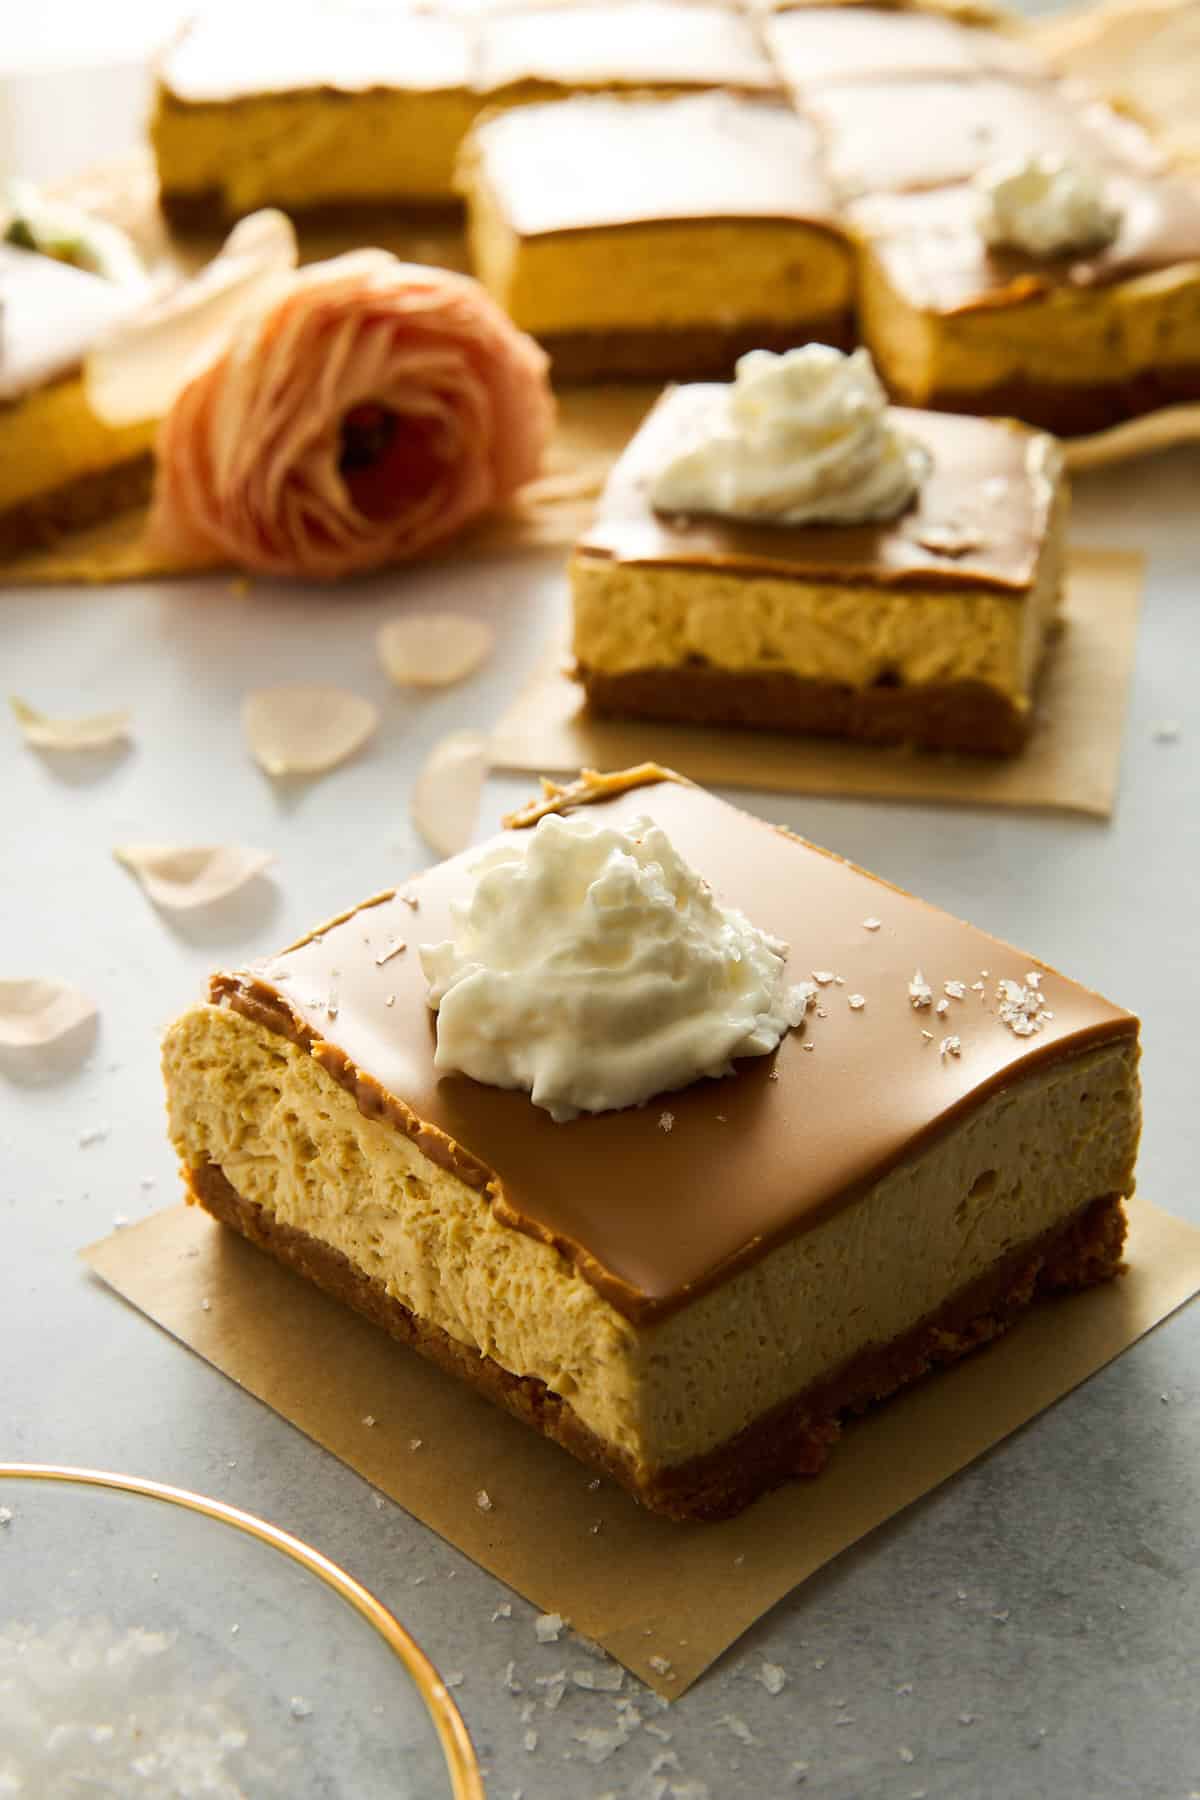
column 932, row 251
column 599, row 161
column 885, row 137
column 813, row 45
column 649, row 1215
column 979, row 519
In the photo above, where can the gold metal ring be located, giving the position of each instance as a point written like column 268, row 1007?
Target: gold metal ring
column 461, row 1761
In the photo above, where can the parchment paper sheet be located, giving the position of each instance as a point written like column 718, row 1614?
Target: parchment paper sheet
column 640, row 1586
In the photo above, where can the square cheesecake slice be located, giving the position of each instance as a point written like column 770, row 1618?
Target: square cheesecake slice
column 330, row 106
column 927, row 629
column 605, row 46
column 1073, row 342
column 62, row 467
column 690, row 1293
column 655, row 237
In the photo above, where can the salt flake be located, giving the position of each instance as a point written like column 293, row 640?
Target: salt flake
column 547, row 1627
column 919, row 991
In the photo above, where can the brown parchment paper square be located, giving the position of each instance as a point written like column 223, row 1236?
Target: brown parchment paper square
column 1070, row 764
column 640, row 1586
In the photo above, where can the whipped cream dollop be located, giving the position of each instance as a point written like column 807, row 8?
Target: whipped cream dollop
column 797, row 439
column 1045, row 206
column 593, row 967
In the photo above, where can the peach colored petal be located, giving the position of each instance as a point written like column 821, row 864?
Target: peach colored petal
column 306, row 730
column 95, row 732
column 444, row 804
column 433, row 649
column 180, row 877
column 34, row 1014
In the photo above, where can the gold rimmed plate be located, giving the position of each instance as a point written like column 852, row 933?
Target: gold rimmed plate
column 320, row 1690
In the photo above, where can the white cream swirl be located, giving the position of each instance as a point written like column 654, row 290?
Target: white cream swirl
column 593, row 967
column 797, row 439
column 1045, row 206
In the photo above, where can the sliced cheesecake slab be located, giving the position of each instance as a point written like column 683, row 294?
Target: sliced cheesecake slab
column 929, row 628
column 688, row 1294
column 654, row 237
column 333, row 105
column 1074, row 342
column 61, row 465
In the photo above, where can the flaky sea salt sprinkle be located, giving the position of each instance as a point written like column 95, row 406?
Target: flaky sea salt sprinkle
column 1022, row 1006
column 919, row 991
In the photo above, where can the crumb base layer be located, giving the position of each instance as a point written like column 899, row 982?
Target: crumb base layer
column 205, row 210
column 1069, row 409
column 794, row 1439
column 961, row 715
column 43, row 521
column 686, row 352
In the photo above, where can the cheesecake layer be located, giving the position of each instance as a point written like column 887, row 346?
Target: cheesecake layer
column 334, row 106
column 658, row 1282
column 291, row 1141
column 1072, row 343
column 870, row 632
column 51, row 440
column 793, row 1439
column 595, row 217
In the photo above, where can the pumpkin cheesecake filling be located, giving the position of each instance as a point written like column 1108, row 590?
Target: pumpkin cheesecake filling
column 687, row 1293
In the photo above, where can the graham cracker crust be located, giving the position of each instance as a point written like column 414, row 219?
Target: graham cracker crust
column 1070, row 409
column 794, row 1439
column 49, row 517
column 205, row 211
column 960, row 715
column 693, row 352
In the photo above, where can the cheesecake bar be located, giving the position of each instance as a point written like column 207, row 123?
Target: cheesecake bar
column 614, row 45
column 688, row 1294
column 654, row 237
column 886, row 137
column 926, row 629
column 327, row 107
column 1073, row 342
column 814, row 45
column 61, row 465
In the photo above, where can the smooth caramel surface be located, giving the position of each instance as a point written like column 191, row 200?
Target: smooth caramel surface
column 979, row 518
column 934, row 255
column 596, row 161
column 895, row 136
column 655, row 1203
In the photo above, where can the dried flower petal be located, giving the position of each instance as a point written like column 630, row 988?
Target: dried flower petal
column 433, row 649
column 182, row 876
column 444, row 805
column 36, row 1013
column 305, row 730
column 96, row 732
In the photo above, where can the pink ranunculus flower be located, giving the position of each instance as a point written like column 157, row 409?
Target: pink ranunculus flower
column 372, row 410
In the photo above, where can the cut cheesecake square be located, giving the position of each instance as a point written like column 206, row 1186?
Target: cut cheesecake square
column 671, row 46
column 927, row 629
column 691, row 1293
column 61, row 465
column 1074, row 342
column 887, row 137
column 657, row 237
column 329, row 106
column 814, row 45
